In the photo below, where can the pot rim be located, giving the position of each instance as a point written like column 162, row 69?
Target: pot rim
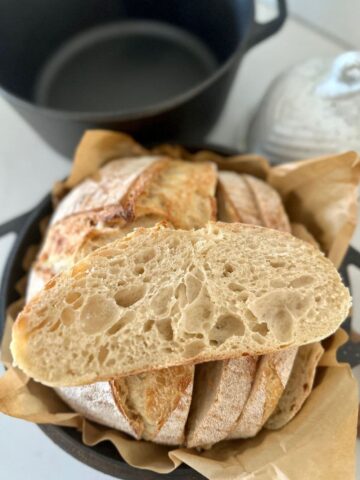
column 152, row 110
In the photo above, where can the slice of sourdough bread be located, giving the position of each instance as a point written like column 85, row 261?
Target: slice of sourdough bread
column 96, row 402
column 181, row 288
column 246, row 199
column 299, row 386
column 270, row 381
column 222, row 388
column 157, row 402
column 220, row 392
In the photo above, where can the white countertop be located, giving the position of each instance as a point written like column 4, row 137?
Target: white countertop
column 28, row 168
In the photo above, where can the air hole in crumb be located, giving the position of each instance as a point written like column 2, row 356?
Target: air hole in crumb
column 127, row 296
column 139, row 270
column 71, row 297
column 194, row 348
column 195, row 315
column 165, row 329
column 261, row 328
column 277, row 263
column 103, row 353
column 161, row 300
column 67, row 316
column 98, row 314
column 76, row 305
column 55, row 326
column 167, row 350
column 226, row 326
column 124, row 320
column 41, row 311
column 243, row 296
column 305, row 387
column 111, row 362
column 214, row 343
column 228, row 270
column 193, row 286
column 235, row 287
column 148, row 325
column 90, row 359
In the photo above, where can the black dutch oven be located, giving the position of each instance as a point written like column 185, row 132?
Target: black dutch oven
column 104, row 457
column 157, row 69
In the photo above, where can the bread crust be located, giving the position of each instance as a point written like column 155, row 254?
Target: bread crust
column 298, row 387
column 247, row 199
column 270, row 381
column 220, row 393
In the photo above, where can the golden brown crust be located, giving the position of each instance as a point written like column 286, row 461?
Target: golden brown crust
column 270, row 380
column 161, row 192
column 246, row 199
column 299, row 386
column 106, row 187
column 149, row 400
column 180, row 192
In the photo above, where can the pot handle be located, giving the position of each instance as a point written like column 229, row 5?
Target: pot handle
column 349, row 352
column 260, row 31
column 14, row 225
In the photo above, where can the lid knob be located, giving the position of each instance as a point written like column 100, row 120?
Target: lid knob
column 344, row 77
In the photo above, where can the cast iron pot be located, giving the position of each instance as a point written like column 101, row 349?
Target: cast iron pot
column 104, row 457
column 61, row 64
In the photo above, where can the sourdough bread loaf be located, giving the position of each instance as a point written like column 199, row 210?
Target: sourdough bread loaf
column 298, row 387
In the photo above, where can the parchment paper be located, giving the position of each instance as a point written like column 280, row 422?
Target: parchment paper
column 319, row 443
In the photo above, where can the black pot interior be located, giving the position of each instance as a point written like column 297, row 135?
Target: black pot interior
column 146, row 62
